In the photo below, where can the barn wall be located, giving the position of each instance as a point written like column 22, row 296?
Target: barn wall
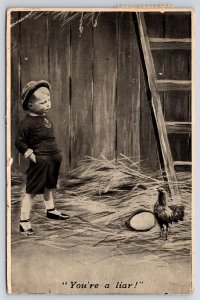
column 99, row 103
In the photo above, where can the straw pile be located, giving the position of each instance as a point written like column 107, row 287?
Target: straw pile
column 100, row 196
column 103, row 178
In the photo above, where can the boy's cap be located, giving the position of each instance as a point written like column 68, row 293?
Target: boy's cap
column 30, row 88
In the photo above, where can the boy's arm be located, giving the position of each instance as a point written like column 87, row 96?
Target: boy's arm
column 21, row 139
column 21, row 143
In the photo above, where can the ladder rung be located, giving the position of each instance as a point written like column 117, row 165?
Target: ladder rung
column 178, row 127
column 169, row 85
column 182, row 163
column 168, row 44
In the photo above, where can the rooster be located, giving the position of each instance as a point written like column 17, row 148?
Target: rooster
column 165, row 214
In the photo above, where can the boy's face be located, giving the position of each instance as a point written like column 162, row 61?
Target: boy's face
column 40, row 102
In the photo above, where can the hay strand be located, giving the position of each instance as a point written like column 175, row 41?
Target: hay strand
column 65, row 17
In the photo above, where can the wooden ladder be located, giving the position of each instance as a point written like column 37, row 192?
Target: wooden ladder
column 154, row 86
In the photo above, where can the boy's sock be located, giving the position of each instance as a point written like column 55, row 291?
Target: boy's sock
column 52, row 212
column 25, row 225
column 50, row 207
column 49, row 204
column 26, row 207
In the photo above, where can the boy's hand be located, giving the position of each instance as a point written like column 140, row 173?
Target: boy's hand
column 32, row 157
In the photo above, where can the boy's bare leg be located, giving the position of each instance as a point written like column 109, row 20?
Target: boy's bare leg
column 25, row 211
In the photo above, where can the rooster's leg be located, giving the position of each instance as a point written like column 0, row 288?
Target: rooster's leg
column 166, row 237
column 161, row 232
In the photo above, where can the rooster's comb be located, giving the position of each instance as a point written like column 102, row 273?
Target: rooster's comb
column 160, row 189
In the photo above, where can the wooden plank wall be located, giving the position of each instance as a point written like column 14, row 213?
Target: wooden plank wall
column 95, row 90
column 99, row 103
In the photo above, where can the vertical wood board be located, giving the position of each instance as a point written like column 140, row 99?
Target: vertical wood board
column 59, row 72
column 177, row 64
column 176, row 106
column 105, row 72
column 155, row 24
column 159, row 63
column 145, row 126
column 81, row 93
column 33, row 55
column 128, row 89
column 34, row 49
column 180, row 146
column 177, row 25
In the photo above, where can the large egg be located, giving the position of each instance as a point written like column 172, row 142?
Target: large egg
column 141, row 221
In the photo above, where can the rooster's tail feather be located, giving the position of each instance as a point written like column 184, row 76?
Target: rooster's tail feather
column 178, row 213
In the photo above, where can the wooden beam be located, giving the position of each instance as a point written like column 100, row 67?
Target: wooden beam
column 182, row 163
column 169, row 44
column 156, row 110
column 178, row 127
column 174, row 85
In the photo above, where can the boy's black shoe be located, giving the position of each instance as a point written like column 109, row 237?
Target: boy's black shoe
column 23, row 230
column 56, row 215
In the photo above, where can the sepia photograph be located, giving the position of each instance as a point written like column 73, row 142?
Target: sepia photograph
column 99, row 148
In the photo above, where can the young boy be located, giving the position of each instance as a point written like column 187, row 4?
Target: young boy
column 36, row 141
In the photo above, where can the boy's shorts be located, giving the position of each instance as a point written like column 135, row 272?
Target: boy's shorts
column 43, row 174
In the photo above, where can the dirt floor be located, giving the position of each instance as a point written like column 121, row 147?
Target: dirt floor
column 94, row 248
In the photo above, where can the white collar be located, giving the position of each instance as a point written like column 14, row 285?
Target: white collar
column 35, row 115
